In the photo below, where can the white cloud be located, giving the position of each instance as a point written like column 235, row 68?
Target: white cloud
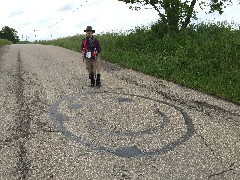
column 60, row 18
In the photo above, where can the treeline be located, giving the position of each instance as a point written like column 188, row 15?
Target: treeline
column 9, row 34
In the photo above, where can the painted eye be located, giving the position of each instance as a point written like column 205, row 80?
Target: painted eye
column 75, row 106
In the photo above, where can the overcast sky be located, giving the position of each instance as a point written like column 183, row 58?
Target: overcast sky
column 42, row 19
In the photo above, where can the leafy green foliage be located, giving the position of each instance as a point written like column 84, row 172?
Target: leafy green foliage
column 9, row 34
column 177, row 14
column 73, row 42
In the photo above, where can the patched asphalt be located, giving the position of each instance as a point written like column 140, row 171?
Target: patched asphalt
column 55, row 126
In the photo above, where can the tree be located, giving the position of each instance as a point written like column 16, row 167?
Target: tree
column 177, row 14
column 9, row 34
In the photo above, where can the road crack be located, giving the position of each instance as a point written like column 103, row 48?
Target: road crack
column 230, row 168
column 205, row 142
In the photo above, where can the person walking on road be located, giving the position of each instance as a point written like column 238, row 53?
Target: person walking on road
column 90, row 50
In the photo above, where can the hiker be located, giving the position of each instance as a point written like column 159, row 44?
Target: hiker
column 90, row 49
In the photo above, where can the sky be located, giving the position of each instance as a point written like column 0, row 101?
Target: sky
column 52, row 19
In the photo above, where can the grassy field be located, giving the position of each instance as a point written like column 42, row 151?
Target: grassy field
column 205, row 57
column 4, row 42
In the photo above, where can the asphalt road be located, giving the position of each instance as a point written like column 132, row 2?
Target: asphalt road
column 54, row 126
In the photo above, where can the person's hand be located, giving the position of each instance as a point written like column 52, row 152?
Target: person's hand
column 83, row 55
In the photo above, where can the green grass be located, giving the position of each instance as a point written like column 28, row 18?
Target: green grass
column 205, row 57
column 4, row 42
column 23, row 42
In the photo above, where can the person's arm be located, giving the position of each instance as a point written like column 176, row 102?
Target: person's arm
column 82, row 47
column 98, row 47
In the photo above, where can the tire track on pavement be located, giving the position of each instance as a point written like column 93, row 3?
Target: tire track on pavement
column 23, row 120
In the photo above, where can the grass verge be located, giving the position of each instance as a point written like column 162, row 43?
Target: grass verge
column 4, row 42
column 204, row 57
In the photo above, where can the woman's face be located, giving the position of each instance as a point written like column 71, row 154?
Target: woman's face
column 89, row 33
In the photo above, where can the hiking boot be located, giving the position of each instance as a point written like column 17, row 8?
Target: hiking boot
column 91, row 77
column 98, row 82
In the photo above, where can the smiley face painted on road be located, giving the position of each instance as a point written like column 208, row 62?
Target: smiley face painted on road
column 125, row 125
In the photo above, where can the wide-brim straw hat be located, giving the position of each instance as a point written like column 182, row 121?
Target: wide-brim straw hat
column 89, row 28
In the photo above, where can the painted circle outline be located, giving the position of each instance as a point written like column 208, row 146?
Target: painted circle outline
column 58, row 124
